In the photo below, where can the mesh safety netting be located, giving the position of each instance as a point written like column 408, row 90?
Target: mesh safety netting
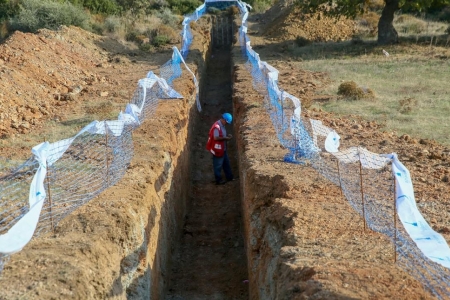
column 63, row 175
column 377, row 186
column 52, row 183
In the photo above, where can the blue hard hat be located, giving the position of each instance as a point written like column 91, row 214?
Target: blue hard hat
column 228, row 118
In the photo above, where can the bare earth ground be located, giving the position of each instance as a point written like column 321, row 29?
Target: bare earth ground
column 325, row 255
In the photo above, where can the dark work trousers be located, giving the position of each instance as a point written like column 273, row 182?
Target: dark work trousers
column 218, row 164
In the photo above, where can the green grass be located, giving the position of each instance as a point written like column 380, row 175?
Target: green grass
column 413, row 70
column 393, row 80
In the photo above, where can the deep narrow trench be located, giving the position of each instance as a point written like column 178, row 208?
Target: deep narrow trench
column 210, row 261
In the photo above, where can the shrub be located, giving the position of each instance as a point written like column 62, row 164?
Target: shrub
column 233, row 10
column 8, row 9
column 158, row 4
column 146, row 47
column 98, row 28
column 351, row 90
column 301, row 41
column 98, row 6
column 160, row 40
column 167, row 17
column 112, row 24
column 169, row 32
column 409, row 24
column 444, row 14
column 37, row 14
column 183, row 7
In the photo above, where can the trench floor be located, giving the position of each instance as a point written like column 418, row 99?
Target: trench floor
column 210, row 261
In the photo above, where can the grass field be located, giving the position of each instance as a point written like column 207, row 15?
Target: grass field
column 411, row 84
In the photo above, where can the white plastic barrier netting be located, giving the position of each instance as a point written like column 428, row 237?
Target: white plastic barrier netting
column 367, row 179
column 63, row 175
column 422, row 251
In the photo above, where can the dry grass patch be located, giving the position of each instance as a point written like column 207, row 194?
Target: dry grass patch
column 351, row 90
column 102, row 111
column 407, row 105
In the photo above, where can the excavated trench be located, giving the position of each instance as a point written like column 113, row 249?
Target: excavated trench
column 210, row 262
column 166, row 231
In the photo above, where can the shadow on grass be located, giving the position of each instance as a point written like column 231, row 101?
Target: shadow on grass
column 354, row 48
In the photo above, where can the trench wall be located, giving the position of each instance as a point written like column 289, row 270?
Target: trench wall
column 267, row 222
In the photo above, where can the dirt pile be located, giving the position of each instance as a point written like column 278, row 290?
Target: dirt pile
column 285, row 22
column 41, row 73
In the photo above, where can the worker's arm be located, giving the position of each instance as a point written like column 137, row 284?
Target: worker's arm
column 221, row 138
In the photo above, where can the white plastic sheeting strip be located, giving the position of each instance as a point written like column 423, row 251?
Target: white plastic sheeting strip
column 332, row 142
column 48, row 153
column 177, row 53
column 22, row 232
column 431, row 243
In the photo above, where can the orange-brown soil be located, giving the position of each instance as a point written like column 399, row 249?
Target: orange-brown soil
column 302, row 238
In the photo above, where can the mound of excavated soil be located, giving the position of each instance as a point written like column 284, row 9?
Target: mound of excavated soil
column 53, row 76
column 284, row 21
column 41, row 72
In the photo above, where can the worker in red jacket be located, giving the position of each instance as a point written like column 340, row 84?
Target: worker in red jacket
column 217, row 145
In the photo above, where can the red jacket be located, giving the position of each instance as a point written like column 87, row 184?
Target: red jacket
column 217, row 148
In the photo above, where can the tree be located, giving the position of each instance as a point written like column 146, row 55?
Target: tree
column 352, row 8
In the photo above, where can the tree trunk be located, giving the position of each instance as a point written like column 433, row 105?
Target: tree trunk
column 386, row 31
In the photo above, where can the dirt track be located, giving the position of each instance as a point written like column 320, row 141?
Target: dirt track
column 302, row 239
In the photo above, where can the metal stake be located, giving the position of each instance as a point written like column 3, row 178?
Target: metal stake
column 282, row 112
column 106, row 152
column 395, row 221
column 339, row 174
column 50, row 204
column 362, row 191
column 49, row 195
